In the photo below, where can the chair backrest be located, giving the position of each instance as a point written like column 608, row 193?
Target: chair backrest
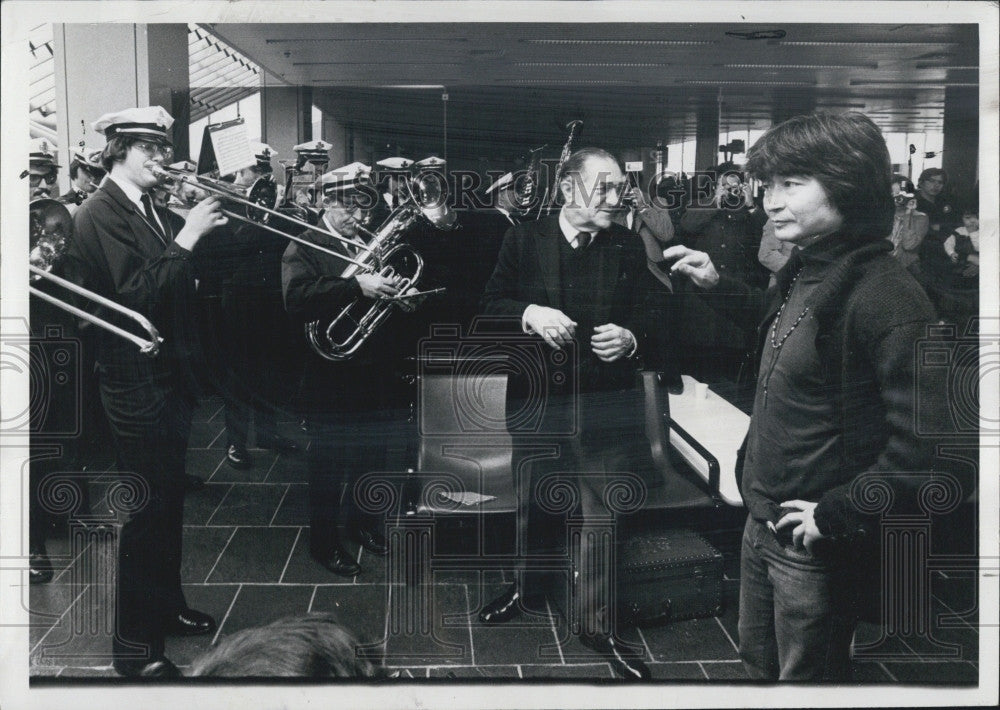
column 463, row 434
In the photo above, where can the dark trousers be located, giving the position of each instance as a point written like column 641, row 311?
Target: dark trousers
column 150, row 418
column 257, row 372
column 573, row 485
column 342, row 450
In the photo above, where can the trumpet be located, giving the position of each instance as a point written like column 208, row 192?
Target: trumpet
column 350, row 327
column 51, row 226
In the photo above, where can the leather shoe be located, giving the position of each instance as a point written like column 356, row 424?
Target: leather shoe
column 625, row 659
column 338, row 561
column 193, row 483
column 281, row 444
column 190, row 623
column 238, row 457
column 373, row 541
column 503, row 608
column 143, row 668
column 39, row 567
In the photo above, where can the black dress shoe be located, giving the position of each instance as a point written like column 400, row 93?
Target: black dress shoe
column 238, row 457
column 625, row 659
column 281, row 444
column 39, row 567
column 190, row 623
column 143, row 668
column 373, row 541
column 193, row 483
column 503, row 608
column 338, row 561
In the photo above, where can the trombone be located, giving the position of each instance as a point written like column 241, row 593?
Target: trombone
column 228, row 193
column 50, row 225
column 147, row 346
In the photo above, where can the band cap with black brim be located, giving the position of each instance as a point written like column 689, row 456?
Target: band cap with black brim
column 150, row 123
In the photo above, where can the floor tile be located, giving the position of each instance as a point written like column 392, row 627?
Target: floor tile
column 207, row 409
column 677, row 671
column 520, row 641
column 724, row 670
column 248, row 504
column 254, row 555
column 206, row 434
column 89, row 672
column 46, row 604
column 83, row 636
column 692, row 640
column 360, row 608
column 290, row 468
column 211, row 599
column 46, row 670
column 428, row 624
column 463, row 672
column 201, row 549
column 588, row 671
column 302, row 568
column 203, row 463
column 200, row 505
column 294, row 506
column 260, row 604
column 870, row 672
column 261, row 464
column 944, row 673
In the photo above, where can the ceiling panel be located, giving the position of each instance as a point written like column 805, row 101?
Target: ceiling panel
column 645, row 79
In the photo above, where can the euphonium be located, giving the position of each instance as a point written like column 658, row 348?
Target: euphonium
column 350, row 327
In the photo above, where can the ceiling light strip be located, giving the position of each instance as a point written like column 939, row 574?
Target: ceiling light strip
column 591, row 64
column 366, row 40
column 624, row 42
column 798, row 66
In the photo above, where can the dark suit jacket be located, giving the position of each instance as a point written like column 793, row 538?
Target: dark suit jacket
column 314, row 290
column 116, row 253
column 527, row 272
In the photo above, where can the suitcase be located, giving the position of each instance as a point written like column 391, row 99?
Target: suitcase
column 668, row 575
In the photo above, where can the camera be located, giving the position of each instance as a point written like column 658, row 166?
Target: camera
column 731, row 193
column 478, row 367
column 52, row 363
column 903, row 197
column 955, row 366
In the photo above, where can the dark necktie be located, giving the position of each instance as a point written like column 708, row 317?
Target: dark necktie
column 582, row 240
column 147, row 206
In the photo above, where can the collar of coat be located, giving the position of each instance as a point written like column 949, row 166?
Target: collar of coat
column 844, row 254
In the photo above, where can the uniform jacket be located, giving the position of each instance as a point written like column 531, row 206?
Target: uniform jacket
column 115, row 252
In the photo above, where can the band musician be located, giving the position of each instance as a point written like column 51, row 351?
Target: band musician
column 344, row 401
column 137, row 254
column 579, row 282
column 85, row 175
column 249, row 330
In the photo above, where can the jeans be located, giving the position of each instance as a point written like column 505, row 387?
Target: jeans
column 796, row 620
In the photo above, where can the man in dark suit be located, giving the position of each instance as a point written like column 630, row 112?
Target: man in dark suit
column 130, row 251
column 578, row 282
column 344, row 401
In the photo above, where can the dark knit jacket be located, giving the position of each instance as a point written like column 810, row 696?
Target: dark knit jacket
column 870, row 314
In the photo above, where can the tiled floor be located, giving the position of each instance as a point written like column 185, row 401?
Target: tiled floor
column 246, row 562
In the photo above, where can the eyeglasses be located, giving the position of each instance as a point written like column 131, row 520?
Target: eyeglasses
column 151, row 150
column 47, row 178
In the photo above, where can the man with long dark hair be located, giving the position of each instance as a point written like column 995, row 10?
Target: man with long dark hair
column 835, row 392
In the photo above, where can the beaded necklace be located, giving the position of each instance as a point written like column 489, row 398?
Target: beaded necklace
column 778, row 343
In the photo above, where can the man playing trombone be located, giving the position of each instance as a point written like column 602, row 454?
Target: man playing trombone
column 126, row 249
column 344, row 401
